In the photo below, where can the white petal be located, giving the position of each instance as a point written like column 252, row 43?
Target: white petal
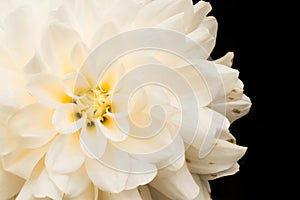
column 21, row 162
column 68, row 119
column 20, row 34
column 179, row 185
column 75, row 84
column 124, row 195
column 205, row 36
column 13, row 91
column 57, row 44
column 7, row 141
column 92, row 140
column 157, row 195
column 105, row 31
column 234, row 109
column 78, row 55
column 115, row 128
column 90, row 193
column 222, row 157
column 205, row 192
column 234, row 169
column 141, row 174
column 10, row 184
column 32, row 126
column 157, row 11
column 44, row 187
column 227, row 59
column 201, row 9
column 106, row 178
column 35, row 66
column 47, row 89
column 65, row 149
column 73, row 184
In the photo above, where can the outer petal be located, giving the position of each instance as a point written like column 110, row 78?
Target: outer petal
column 10, row 184
column 47, row 89
column 92, row 141
column 7, row 141
column 179, row 185
column 32, row 126
column 124, row 195
column 222, row 157
column 106, row 178
column 67, row 119
column 227, row 59
column 39, row 185
column 234, row 169
column 65, row 149
column 73, row 184
column 57, row 44
column 204, row 187
column 90, row 193
column 22, row 161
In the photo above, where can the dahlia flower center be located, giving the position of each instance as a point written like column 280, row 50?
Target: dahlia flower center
column 96, row 104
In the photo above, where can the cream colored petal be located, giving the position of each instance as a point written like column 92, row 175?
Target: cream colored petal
column 156, row 11
column 75, row 84
column 201, row 9
column 65, row 149
column 104, row 32
column 179, row 185
column 222, row 157
column 141, row 174
column 205, row 35
column 205, row 192
column 22, row 161
column 47, row 89
column 115, row 128
column 44, row 187
column 231, row 171
column 20, row 34
column 13, row 92
column 92, row 140
column 124, row 195
column 90, row 193
column 234, row 109
column 145, row 192
column 227, row 59
column 74, row 184
column 35, row 66
column 32, row 126
column 68, row 119
column 10, row 184
column 104, row 177
column 7, row 142
column 57, row 44
column 175, row 23
column 78, row 55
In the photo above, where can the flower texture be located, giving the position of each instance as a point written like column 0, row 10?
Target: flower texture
column 114, row 100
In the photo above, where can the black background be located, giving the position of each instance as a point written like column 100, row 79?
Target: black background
column 240, row 30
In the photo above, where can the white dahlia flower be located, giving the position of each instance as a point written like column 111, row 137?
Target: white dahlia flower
column 114, row 99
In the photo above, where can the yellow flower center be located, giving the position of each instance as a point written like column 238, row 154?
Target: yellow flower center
column 95, row 103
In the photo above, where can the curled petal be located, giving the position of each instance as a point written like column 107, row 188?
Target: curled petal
column 205, row 192
column 32, row 126
column 222, row 157
column 22, row 161
column 179, row 185
column 92, row 140
column 124, row 195
column 68, row 119
column 65, row 149
column 47, row 89
column 10, row 184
